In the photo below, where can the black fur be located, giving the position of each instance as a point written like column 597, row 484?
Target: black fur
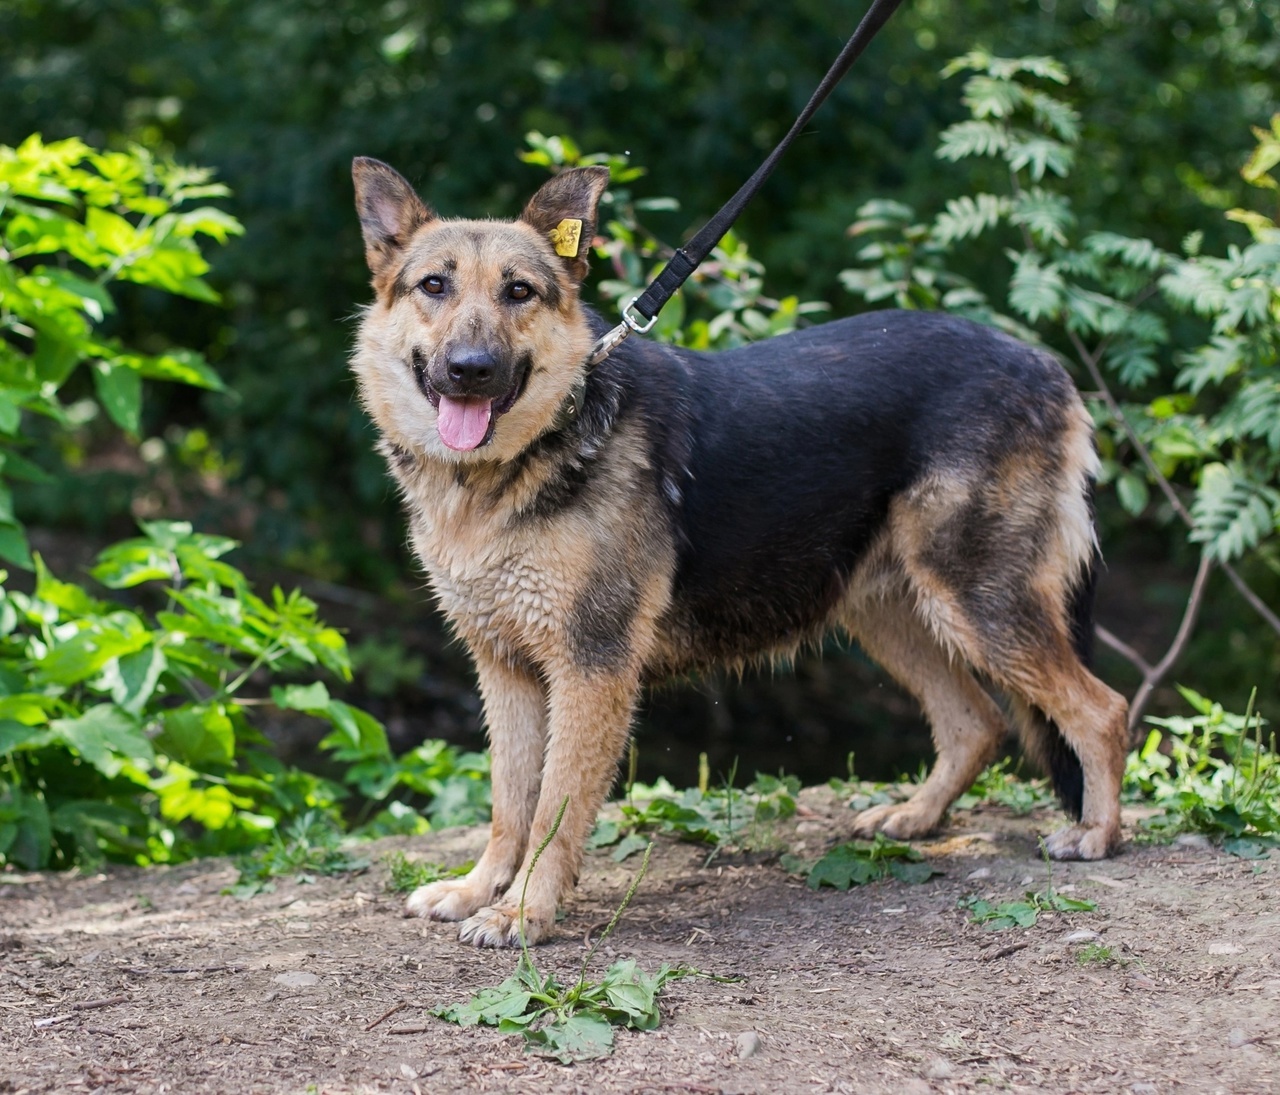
column 799, row 445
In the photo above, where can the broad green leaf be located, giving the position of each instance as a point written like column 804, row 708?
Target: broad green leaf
column 1132, row 491
column 198, row 735
column 10, row 415
column 107, row 737
column 16, row 735
column 83, row 655
column 13, row 545
column 302, row 697
column 578, row 1038
column 489, row 1006
column 69, row 598
column 135, row 678
column 132, row 562
column 120, row 390
column 26, row 836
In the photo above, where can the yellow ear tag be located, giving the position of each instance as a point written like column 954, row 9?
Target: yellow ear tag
column 565, row 237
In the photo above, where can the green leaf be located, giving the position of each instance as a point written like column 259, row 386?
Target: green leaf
column 17, row 735
column 120, row 390
column 629, row 846
column 26, row 836
column 107, row 737
column 135, row 677
column 578, row 1038
column 489, row 1006
column 132, row 562
column 199, row 735
column 1133, row 493
column 313, row 698
column 13, row 545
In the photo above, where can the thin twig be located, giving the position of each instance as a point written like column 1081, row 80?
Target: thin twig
column 1122, row 648
column 90, row 1005
column 1180, row 640
column 387, row 1014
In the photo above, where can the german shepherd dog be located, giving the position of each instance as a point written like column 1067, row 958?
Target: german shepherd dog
column 922, row 483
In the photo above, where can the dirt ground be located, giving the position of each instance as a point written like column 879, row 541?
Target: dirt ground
column 152, row 981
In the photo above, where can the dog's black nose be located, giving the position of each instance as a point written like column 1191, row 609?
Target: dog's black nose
column 471, row 366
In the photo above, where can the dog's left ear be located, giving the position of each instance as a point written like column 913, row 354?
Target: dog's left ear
column 564, row 210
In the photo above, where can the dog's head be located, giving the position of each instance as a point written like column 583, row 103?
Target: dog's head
column 476, row 336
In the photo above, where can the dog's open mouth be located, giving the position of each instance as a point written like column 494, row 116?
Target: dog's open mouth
column 464, row 422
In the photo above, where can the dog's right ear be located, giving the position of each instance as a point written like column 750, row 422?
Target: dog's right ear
column 390, row 212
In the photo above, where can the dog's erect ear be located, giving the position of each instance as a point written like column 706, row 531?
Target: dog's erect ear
column 390, row 212
column 564, row 210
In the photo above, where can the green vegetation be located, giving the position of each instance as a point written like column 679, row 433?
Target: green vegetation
column 310, row 845
column 857, row 862
column 133, row 728
column 1181, row 345
column 570, row 1022
column 1001, row 785
column 1024, row 913
column 1096, row 954
column 726, row 818
column 1212, row 773
column 406, row 874
column 1097, row 193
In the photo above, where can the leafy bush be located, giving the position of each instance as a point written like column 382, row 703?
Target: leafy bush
column 127, row 728
column 1213, row 773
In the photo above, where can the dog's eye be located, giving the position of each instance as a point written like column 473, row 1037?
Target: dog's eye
column 520, row 290
column 433, row 284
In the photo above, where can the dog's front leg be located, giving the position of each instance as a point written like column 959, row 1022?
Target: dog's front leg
column 590, row 718
column 515, row 707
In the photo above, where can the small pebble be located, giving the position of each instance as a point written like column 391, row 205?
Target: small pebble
column 296, row 979
column 1143, row 1089
column 1081, row 936
column 980, row 873
column 748, row 1044
column 1225, row 948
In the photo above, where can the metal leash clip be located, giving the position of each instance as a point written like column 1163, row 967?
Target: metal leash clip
column 611, row 340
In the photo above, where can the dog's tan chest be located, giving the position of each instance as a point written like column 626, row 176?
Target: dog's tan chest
column 498, row 581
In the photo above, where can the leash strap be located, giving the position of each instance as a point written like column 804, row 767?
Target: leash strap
column 689, row 257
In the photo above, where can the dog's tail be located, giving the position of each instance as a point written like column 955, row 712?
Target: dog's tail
column 1041, row 739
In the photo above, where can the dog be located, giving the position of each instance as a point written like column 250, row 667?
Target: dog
column 919, row 482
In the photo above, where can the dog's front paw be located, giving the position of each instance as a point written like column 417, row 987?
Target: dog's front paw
column 452, row 899
column 499, row 926
column 900, row 820
column 1083, row 842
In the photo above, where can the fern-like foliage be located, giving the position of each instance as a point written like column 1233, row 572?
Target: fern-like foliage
column 1233, row 511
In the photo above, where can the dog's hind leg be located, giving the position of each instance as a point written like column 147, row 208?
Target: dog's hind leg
column 515, row 705
column 1071, row 719
column 967, row 725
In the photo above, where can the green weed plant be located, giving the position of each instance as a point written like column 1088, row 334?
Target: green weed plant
column 1212, row 772
column 572, row 1022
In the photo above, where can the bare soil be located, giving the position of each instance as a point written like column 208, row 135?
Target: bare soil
column 153, row 981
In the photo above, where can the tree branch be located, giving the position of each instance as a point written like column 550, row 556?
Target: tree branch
column 1152, row 678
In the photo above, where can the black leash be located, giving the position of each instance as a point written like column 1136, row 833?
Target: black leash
column 689, row 257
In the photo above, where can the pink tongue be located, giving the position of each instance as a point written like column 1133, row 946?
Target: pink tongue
column 463, row 422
